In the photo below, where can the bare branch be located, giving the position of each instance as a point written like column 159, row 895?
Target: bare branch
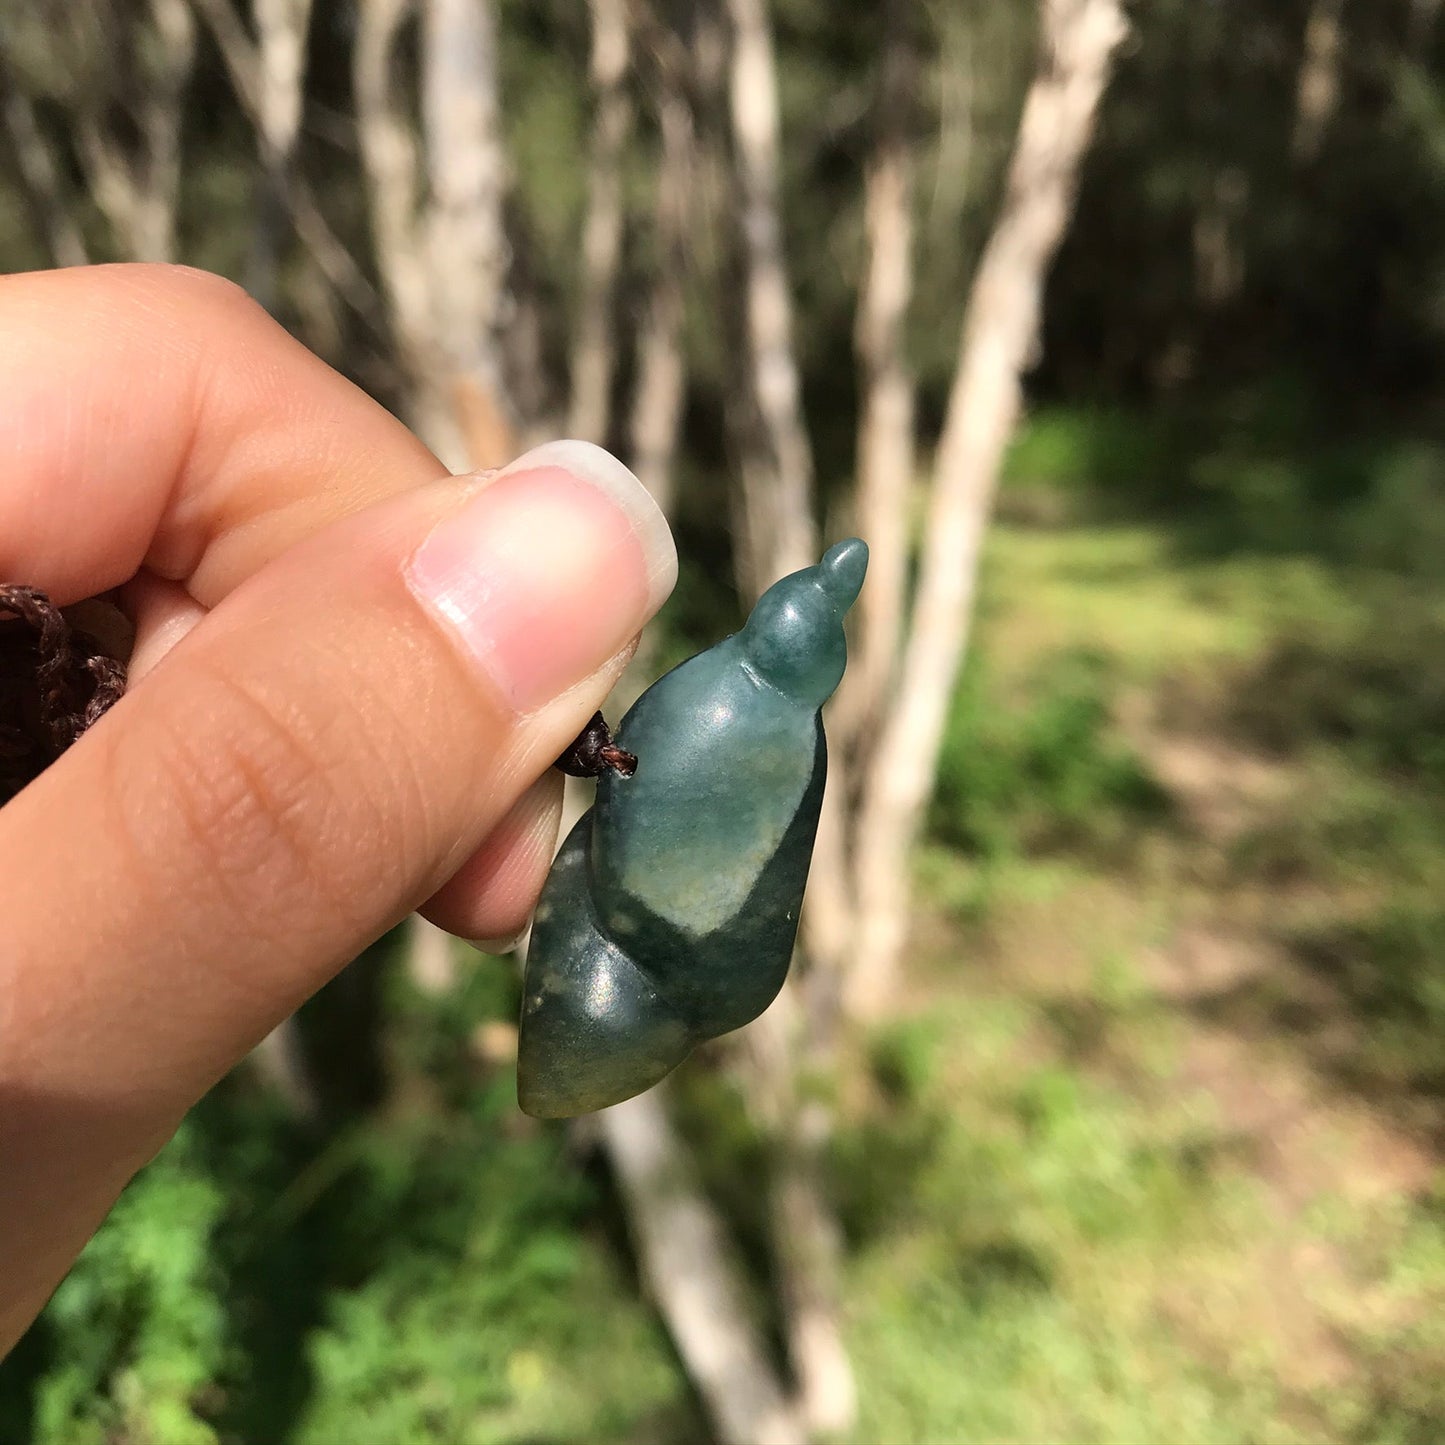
column 999, row 334
column 137, row 188
column 244, row 65
column 683, row 1254
column 777, row 477
column 806, row 1240
column 115, row 187
column 281, row 30
column 885, row 425
column 593, row 351
column 389, row 155
column 661, row 366
column 238, row 53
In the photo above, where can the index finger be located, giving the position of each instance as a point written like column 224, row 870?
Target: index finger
column 156, row 416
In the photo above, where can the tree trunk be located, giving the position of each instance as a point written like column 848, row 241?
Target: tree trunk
column 780, row 534
column 1319, row 77
column 885, row 479
column 661, row 366
column 1218, row 250
column 444, row 266
column 806, row 1240
column 392, row 163
column 684, row 1258
column 884, row 483
column 885, row 426
column 466, row 241
column 161, row 117
column 263, row 86
column 999, row 333
column 593, row 351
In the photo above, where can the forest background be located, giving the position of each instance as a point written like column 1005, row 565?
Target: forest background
column 1109, row 1100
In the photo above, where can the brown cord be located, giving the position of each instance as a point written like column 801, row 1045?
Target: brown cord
column 55, row 681
column 593, row 753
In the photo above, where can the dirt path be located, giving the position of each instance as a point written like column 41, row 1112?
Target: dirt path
column 1307, row 1140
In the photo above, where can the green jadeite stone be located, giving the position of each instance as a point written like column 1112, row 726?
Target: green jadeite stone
column 670, row 913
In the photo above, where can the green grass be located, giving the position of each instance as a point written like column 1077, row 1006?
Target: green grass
column 1063, row 1230
column 1034, row 1303
column 1149, row 1153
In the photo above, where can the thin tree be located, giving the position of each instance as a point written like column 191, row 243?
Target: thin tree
column 1317, row 92
column 777, row 526
column 656, row 412
column 442, row 254
column 688, row 1266
column 1000, row 332
column 441, row 251
column 593, row 350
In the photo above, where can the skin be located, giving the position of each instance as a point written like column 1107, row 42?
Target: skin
column 304, row 754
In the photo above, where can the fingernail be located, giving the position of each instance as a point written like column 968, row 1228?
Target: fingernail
column 499, row 946
column 549, row 570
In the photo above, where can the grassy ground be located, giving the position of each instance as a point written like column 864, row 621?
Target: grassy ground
column 1150, row 1150
column 1161, row 1113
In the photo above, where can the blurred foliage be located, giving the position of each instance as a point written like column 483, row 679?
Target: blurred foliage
column 138, row 1328
column 431, row 1270
column 1049, row 775
column 1379, row 692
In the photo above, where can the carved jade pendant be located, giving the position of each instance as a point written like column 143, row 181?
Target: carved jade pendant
column 670, row 913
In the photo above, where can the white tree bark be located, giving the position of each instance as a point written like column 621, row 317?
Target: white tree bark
column 685, row 1260
column 1000, row 330
column 443, row 262
column 885, row 459
column 593, row 351
column 780, row 534
column 661, row 365
column 1319, row 77
column 885, row 427
column 806, row 1240
column 281, row 34
column 391, row 159
column 466, row 240
column 161, row 124
column 677, row 82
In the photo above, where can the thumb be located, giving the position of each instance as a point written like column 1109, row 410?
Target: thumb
column 312, row 761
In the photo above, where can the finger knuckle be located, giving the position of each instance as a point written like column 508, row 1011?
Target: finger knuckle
column 190, row 287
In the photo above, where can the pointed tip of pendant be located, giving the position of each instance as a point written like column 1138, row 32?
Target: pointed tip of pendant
column 843, row 568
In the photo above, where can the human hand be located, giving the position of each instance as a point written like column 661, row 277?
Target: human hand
column 374, row 665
